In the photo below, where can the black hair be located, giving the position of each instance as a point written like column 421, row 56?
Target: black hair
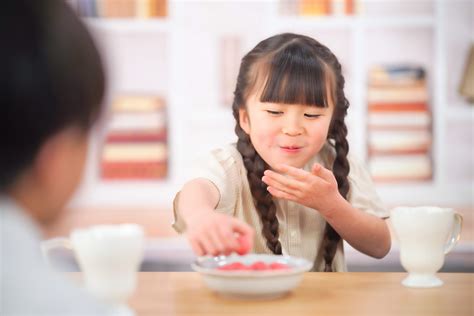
column 292, row 69
column 51, row 78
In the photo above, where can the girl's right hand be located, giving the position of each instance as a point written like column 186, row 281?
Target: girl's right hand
column 219, row 234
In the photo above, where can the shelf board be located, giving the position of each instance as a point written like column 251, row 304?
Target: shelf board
column 413, row 193
column 128, row 193
column 315, row 22
column 128, row 24
column 399, row 21
column 344, row 22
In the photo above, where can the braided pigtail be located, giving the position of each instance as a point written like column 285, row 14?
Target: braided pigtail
column 338, row 135
column 262, row 198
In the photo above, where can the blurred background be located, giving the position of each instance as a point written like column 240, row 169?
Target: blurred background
column 172, row 67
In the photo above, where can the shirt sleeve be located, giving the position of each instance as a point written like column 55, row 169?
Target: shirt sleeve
column 362, row 194
column 220, row 168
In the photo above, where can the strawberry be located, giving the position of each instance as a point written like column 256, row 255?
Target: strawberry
column 233, row 267
column 244, row 245
column 278, row 266
column 259, row 265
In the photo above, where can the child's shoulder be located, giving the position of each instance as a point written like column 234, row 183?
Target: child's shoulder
column 224, row 158
column 226, row 152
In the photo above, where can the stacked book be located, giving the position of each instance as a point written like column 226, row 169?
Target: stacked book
column 135, row 144
column 399, row 124
column 317, row 7
column 120, row 8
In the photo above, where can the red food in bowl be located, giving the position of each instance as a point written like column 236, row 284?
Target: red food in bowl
column 256, row 266
column 244, row 245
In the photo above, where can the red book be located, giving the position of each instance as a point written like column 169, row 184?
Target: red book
column 421, row 150
column 401, row 179
column 398, row 107
column 134, row 170
column 136, row 136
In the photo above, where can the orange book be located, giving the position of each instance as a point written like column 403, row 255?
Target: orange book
column 409, row 151
column 137, row 136
column 315, row 7
column 349, row 7
column 158, row 8
column 398, row 107
column 132, row 170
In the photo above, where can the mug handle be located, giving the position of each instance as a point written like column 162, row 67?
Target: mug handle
column 455, row 234
column 50, row 244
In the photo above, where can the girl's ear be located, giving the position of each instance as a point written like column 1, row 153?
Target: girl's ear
column 244, row 120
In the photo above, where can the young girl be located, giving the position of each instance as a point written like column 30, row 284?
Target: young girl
column 289, row 177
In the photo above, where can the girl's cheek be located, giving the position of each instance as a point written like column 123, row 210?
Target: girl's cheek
column 268, row 137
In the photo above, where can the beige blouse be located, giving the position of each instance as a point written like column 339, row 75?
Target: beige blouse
column 301, row 228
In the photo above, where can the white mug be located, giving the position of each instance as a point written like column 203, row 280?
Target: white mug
column 109, row 257
column 425, row 235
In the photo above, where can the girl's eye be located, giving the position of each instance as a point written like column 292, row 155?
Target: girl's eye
column 312, row 115
column 274, row 112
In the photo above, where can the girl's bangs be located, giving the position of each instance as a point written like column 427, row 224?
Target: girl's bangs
column 295, row 76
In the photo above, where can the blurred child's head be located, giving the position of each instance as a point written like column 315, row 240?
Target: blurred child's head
column 289, row 102
column 51, row 91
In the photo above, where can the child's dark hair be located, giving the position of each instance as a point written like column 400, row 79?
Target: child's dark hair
column 52, row 78
column 292, row 69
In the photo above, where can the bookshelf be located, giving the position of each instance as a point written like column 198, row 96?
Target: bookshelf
column 129, row 25
column 177, row 57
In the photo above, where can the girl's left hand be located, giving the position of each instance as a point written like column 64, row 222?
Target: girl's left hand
column 316, row 189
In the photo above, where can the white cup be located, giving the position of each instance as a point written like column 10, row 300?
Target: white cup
column 425, row 235
column 109, row 257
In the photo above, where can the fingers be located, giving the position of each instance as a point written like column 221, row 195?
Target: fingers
column 281, row 194
column 243, row 229
column 322, row 172
column 222, row 237
column 281, row 182
column 295, row 173
column 316, row 168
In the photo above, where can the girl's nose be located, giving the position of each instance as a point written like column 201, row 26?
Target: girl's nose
column 292, row 127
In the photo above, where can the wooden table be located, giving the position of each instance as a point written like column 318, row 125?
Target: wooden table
column 184, row 293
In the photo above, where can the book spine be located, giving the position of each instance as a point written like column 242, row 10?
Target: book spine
column 129, row 171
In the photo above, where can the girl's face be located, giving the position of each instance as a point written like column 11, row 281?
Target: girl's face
column 285, row 134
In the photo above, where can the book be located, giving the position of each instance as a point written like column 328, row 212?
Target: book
column 342, row 7
column 153, row 120
column 397, row 94
column 137, row 136
column 399, row 142
column 407, row 119
column 132, row 151
column 158, row 8
column 137, row 103
column 315, row 7
column 399, row 107
column 399, row 124
column 401, row 168
column 395, row 74
column 133, row 170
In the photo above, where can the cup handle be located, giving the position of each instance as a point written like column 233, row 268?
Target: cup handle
column 50, row 244
column 455, row 234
